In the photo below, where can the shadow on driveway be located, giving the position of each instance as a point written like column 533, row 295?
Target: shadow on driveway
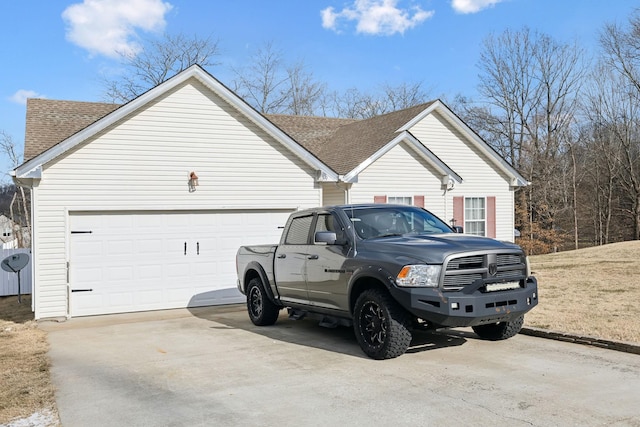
column 307, row 332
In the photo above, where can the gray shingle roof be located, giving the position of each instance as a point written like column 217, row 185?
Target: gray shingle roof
column 352, row 144
column 342, row 144
column 50, row 122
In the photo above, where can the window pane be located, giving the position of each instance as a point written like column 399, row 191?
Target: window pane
column 474, row 216
column 400, row 200
column 299, row 231
column 328, row 222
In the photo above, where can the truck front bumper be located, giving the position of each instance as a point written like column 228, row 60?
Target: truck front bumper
column 451, row 309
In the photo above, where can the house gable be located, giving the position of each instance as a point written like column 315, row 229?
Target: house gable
column 401, row 172
column 187, row 129
column 32, row 168
column 473, row 140
column 436, row 166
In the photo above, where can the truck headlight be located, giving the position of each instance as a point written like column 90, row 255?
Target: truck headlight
column 419, row 275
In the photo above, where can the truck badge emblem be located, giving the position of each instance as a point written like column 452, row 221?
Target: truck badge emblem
column 493, row 269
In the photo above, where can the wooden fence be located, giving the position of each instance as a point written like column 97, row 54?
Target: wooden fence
column 9, row 281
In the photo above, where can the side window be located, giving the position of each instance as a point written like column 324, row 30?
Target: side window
column 327, row 222
column 475, row 215
column 400, row 200
column 298, row 233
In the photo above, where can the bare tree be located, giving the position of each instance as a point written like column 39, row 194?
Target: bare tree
column 160, row 60
column 403, row 95
column 355, row 104
column 507, row 83
column 305, row 93
column 264, row 83
column 529, row 84
column 19, row 213
column 621, row 46
column 273, row 86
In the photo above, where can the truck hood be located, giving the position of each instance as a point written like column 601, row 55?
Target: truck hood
column 433, row 248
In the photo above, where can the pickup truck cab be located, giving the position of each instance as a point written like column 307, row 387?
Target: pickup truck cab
column 385, row 270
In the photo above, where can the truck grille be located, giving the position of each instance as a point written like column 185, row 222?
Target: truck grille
column 465, row 270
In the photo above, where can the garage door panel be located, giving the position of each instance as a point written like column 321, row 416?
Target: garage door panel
column 149, row 271
column 134, row 262
column 120, row 274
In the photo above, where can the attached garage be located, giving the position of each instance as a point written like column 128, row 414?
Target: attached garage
column 124, row 262
column 143, row 206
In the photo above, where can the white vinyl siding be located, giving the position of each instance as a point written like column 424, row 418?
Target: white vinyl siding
column 401, row 171
column 143, row 164
column 480, row 178
column 333, row 194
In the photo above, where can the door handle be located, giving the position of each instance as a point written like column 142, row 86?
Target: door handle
column 312, row 257
column 185, row 248
column 282, row 256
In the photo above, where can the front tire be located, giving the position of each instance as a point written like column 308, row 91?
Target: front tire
column 499, row 331
column 262, row 311
column 382, row 327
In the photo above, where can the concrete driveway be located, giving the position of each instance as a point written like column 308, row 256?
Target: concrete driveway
column 212, row 367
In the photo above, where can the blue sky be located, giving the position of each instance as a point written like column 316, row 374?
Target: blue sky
column 58, row 49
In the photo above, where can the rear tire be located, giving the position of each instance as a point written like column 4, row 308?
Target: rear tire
column 262, row 311
column 499, row 331
column 382, row 327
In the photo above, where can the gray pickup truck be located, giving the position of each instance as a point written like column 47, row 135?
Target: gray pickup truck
column 386, row 270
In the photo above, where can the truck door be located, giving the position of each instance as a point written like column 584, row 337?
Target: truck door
column 326, row 274
column 290, row 259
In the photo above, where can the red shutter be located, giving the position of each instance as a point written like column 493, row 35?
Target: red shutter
column 458, row 211
column 491, row 217
column 418, row 201
column 379, row 199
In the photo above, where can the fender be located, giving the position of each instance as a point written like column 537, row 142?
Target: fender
column 257, row 267
column 370, row 272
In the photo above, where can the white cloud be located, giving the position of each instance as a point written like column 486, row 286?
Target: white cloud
column 376, row 17
column 109, row 27
column 20, row 97
column 472, row 6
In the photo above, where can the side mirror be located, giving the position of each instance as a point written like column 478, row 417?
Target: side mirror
column 457, row 229
column 328, row 237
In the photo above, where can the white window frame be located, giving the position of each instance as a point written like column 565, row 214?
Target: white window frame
column 400, row 200
column 483, row 220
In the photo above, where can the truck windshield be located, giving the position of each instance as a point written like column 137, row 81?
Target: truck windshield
column 386, row 221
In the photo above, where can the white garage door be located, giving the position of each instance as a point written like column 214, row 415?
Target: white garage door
column 123, row 262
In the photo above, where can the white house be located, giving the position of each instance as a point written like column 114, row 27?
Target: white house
column 143, row 206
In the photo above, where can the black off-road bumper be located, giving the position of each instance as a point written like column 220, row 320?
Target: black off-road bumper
column 451, row 309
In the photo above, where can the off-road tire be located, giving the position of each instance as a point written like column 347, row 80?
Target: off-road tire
column 382, row 327
column 499, row 331
column 262, row 311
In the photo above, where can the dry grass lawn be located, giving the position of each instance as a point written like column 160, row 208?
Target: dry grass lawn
column 593, row 292
column 25, row 385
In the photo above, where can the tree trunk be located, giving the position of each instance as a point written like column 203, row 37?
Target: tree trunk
column 27, row 217
column 575, row 196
